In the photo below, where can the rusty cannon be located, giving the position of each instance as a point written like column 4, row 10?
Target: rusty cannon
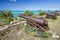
column 57, row 13
column 40, row 23
column 51, row 15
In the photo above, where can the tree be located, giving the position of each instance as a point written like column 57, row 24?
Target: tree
column 41, row 12
column 28, row 13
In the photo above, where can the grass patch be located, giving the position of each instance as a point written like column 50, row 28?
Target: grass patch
column 33, row 31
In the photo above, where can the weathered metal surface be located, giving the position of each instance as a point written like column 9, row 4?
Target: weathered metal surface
column 41, row 23
column 57, row 13
column 51, row 15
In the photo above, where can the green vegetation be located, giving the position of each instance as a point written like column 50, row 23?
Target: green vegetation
column 6, row 15
column 33, row 31
column 56, row 11
column 19, row 18
column 41, row 12
column 28, row 13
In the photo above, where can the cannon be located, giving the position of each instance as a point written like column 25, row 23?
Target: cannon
column 57, row 13
column 51, row 15
column 40, row 23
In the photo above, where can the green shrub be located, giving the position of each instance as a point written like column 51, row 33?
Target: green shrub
column 6, row 15
column 41, row 12
column 35, row 32
column 28, row 13
column 56, row 11
column 19, row 18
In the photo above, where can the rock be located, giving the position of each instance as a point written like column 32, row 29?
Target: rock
column 55, row 35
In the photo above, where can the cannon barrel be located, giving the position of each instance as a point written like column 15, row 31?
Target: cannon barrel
column 41, row 23
column 51, row 15
column 57, row 13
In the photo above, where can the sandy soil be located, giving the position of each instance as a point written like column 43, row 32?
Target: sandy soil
column 20, row 34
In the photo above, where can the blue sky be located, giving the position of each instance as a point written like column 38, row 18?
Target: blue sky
column 29, row 4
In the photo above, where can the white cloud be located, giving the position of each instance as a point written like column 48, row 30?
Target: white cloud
column 13, row 0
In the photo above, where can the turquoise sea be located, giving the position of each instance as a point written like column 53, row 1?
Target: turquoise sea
column 16, row 13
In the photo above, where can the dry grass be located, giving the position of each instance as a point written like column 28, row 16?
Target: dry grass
column 54, row 24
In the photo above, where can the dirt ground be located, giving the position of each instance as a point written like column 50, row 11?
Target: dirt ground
column 20, row 34
column 54, row 25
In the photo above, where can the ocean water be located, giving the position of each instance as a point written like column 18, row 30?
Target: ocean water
column 16, row 13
